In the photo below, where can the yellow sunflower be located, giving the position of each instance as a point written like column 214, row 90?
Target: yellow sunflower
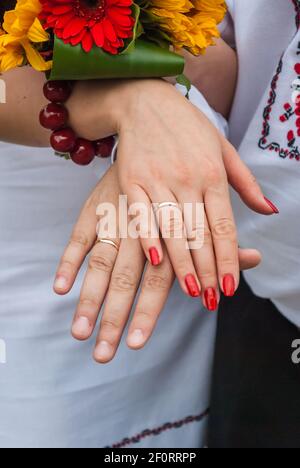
column 191, row 24
column 22, row 33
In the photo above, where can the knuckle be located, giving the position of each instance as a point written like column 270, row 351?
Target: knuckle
column 88, row 303
column 214, row 176
column 66, row 264
column 101, row 263
column 144, row 315
column 196, row 236
column 207, row 237
column 173, row 227
column 184, row 175
column 156, row 283
column 224, row 228
column 79, row 238
column 251, row 185
column 228, row 262
column 124, row 280
column 110, row 324
column 208, row 277
column 253, row 180
column 183, row 264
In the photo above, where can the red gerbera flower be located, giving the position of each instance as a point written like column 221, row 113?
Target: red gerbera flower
column 105, row 23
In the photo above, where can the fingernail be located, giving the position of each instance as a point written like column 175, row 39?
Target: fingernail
column 136, row 338
column 60, row 283
column 103, row 351
column 154, row 256
column 229, row 285
column 211, row 299
column 81, row 327
column 192, row 285
column 272, row 206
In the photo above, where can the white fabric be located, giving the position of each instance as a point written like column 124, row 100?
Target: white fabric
column 264, row 30
column 52, row 394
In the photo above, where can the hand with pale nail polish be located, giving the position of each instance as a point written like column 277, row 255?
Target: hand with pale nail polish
column 113, row 277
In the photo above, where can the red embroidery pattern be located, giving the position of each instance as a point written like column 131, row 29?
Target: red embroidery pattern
column 297, row 8
column 159, row 430
column 292, row 149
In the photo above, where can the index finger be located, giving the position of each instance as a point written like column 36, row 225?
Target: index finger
column 80, row 244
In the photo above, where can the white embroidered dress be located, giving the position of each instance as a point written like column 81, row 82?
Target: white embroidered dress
column 52, row 394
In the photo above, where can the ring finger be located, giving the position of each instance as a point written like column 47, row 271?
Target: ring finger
column 170, row 220
column 95, row 285
column 123, row 287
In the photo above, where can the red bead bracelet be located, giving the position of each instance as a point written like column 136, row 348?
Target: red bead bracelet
column 63, row 139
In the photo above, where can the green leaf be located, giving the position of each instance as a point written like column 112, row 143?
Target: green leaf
column 184, row 81
column 145, row 60
column 138, row 29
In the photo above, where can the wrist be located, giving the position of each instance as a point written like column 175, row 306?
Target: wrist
column 98, row 109
column 93, row 111
column 137, row 97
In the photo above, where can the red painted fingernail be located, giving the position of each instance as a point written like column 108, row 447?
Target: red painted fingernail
column 192, row 285
column 211, row 299
column 229, row 285
column 271, row 205
column 154, row 256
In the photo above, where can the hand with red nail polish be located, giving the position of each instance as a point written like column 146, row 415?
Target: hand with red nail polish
column 211, row 300
column 229, row 285
column 272, row 206
column 192, row 285
column 154, row 256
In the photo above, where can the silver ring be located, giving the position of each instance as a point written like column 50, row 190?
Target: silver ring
column 108, row 242
column 114, row 153
column 160, row 206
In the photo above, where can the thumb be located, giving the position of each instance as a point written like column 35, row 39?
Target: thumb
column 249, row 258
column 243, row 181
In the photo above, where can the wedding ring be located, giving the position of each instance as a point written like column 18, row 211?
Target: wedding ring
column 108, row 242
column 160, row 206
column 114, row 153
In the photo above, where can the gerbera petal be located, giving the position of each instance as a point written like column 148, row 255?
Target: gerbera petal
column 61, row 9
column 62, row 21
column 109, row 31
column 77, row 39
column 87, row 41
column 74, row 27
column 98, row 34
column 79, row 22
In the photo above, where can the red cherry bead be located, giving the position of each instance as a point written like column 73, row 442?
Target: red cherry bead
column 63, row 141
column 83, row 153
column 53, row 116
column 104, row 147
column 57, row 91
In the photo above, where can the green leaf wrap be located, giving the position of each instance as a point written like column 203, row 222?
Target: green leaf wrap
column 145, row 60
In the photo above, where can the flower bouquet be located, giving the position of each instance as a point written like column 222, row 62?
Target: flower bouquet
column 95, row 39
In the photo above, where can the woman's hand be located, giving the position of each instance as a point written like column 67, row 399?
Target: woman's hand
column 170, row 152
column 114, row 277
